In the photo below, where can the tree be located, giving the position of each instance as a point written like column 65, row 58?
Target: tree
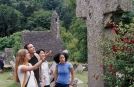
column 10, row 20
column 75, row 40
column 127, row 17
column 51, row 4
column 71, row 5
column 39, row 18
column 6, row 2
column 69, row 43
column 81, row 34
column 66, row 12
column 12, row 41
column 28, row 7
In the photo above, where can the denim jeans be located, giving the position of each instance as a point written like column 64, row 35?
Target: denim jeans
column 39, row 85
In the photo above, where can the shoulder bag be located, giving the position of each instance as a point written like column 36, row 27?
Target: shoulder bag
column 24, row 80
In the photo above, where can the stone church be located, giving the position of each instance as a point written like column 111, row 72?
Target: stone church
column 43, row 39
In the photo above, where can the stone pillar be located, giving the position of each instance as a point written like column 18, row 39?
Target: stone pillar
column 96, row 14
column 8, row 54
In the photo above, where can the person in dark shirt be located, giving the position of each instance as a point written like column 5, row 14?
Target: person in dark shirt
column 34, row 59
column 1, row 64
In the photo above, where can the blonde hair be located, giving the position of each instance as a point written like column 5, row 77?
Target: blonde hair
column 19, row 61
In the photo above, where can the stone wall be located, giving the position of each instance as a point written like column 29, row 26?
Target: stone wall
column 7, row 55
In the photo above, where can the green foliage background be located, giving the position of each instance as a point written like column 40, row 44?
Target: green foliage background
column 35, row 15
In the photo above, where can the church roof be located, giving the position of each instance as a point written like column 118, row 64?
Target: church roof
column 43, row 40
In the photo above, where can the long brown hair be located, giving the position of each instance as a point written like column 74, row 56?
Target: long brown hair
column 19, row 61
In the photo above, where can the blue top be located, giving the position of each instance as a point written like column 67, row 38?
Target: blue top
column 64, row 73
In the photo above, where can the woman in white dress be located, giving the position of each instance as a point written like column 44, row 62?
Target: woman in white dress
column 24, row 70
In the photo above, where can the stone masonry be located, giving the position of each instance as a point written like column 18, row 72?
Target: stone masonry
column 96, row 14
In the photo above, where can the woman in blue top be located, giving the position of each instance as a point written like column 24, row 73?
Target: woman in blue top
column 63, row 70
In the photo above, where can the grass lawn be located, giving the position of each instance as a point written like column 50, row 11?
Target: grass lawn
column 6, row 80
column 83, row 77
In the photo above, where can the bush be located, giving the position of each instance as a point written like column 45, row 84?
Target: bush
column 118, row 57
column 13, row 41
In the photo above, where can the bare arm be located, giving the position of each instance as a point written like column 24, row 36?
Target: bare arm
column 41, row 77
column 72, row 76
column 29, row 68
column 55, row 76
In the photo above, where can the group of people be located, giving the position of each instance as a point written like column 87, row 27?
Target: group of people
column 32, row 70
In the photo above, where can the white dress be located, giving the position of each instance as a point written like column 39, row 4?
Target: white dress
column 46, row 73
column 31, row 82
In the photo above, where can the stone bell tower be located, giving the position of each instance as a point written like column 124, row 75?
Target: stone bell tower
column 55, row 24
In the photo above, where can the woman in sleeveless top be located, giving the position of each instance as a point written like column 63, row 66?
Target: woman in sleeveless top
column 22, row 66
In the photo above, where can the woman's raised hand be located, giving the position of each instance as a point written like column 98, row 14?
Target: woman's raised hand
column 47, row 54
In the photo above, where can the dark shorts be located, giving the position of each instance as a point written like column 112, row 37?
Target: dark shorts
column 1, row 66
column 47, row 86
column 61, row 85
